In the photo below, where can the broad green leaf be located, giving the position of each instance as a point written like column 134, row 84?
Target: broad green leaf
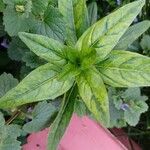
column 41, row 117
column 40, row 84
column 7, row 82
column 15, row 19
column 32, row 60
column 8, row 136
column 39, row 6
column 66, row 8
column 132, row 34
column 17, row 49
column 2, row 6
column 125, row 69
column 49, row 24
column 93, row 92
column 137, row 105
column 62, row 120
column 126, row 106
column 92, row 11
column 105, row 34
column 116, row 115
column 46, row 48
column 80, row 16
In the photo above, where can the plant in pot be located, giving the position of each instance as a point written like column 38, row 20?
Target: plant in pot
column 91, row 59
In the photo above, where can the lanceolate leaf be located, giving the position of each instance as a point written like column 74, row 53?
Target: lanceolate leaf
column 125, row 69
column 93, row 92
column 132, row 34
column 80, row 17
column 66, row 8
column 105, row 34
column 92, row 10
column 76, row 20
column 46, row 48
column 40, row 84
column 62, row 120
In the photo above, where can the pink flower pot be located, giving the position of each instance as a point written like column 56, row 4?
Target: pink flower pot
column 81, row 134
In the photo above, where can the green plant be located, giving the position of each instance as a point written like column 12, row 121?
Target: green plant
column 83, row 66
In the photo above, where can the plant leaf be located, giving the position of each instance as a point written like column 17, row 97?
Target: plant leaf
column 80, row 17
column 38, row 6
column 92, row 10
column 132, row 34
column 15, row 21
column 17, row 49
column 145, row 44
column 46, row 48
column 66, row 6
column 40, row 84
column 76, row 20
column 93, row 92
column 125, row 69
column 41, row 114
column 62, row 120
column 7, row 82
column 50, row 24
column 32, row 60
column 105, row 34
column 8, row 136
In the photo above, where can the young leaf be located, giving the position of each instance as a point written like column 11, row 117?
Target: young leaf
column 8, row 136
column 17, row 16
column 46, row 48
column 105, row 34
column 40, row 84
column 80, row 17
column 132, row 34
column 125, row 69
column 92, row 11
column 7, row 82
column 62, row 120
column 42, row 114
column 66, row 6
column 49, row 24
column 93, row 92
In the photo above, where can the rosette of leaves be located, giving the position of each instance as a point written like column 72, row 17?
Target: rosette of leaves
column 83, row 66
column 126, row 106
